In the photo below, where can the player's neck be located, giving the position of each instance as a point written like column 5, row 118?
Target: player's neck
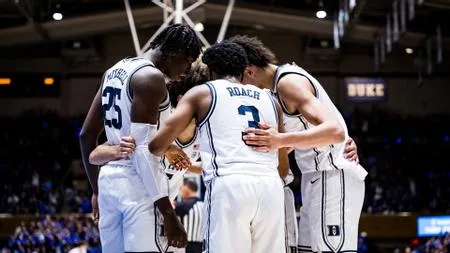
column 229, row 78
column 156, row 57
column 267, row 76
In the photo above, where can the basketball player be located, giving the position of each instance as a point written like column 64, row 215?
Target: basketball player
column 332, row 187
column 198, row 74
column 244, row 192
column 133, row 100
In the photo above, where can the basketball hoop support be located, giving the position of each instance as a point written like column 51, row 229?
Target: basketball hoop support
column 177, row 15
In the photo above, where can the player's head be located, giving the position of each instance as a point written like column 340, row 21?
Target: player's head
column 179, row 46
column 258, row 55
column 188, row 189
column 226, row 59
column 198, row 74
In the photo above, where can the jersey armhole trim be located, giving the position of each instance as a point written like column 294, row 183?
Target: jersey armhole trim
column 188, row 143
column 212, row 106
column 103, row 80
column 165, row 104
column 283, row 106
column 129, row 90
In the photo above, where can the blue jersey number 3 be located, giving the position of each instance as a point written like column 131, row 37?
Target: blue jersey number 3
column 243, row 109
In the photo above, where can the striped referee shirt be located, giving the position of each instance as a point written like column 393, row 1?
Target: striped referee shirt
column 190, row 212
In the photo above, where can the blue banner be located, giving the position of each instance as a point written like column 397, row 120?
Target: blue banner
column 362, row 89
column 433, row 225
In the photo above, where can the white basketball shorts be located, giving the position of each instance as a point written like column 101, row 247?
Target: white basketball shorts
column 329, row 217
column 244, row 214
column 127, row 215
column 291, row 225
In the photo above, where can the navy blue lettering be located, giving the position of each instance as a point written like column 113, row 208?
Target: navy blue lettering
column 256, row 95
column 241, row 91
column 231, row 91
column 237, row 92
column 244, row 93
column 120, row 74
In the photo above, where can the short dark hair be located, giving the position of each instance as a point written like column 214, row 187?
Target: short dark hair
column 226, row 59
column 257, row 54
column 190, row 184
column 176, row 39
column 197, row 75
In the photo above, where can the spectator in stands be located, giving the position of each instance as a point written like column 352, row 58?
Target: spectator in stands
column 56, row 235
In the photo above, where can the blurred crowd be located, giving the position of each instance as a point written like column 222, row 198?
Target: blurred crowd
column 41, row 173
column 35, row 166
column 437, row 244
column 406, row 158
column 51, row 234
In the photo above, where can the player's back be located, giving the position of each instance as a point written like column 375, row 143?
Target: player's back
column 233, row 108
column 117, row 99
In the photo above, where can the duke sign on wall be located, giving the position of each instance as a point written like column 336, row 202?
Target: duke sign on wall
column 363, row 89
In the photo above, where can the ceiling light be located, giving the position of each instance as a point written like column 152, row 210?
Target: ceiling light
column 199, row 27
column 321, row 14
column 409, row 50
column 57, row 16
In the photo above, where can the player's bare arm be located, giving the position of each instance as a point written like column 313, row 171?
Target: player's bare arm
column 283, row 159
column 297, row 94
column 105, row 153
column 188, row 108
column 196, row 167
column 92, row 127
column 145, row 111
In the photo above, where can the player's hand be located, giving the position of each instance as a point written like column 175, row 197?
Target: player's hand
column 265, row 139
column 126, row 147
column 351, row 151
column 95, row 212
column 176, row 235
column 177, row 158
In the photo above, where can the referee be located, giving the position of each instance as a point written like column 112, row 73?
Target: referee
column 190, row 211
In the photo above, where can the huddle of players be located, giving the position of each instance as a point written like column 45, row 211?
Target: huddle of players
column 243, row 147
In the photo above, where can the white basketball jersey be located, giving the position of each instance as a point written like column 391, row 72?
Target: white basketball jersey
column 117, row 99
column 311, row 159
column 233, row 108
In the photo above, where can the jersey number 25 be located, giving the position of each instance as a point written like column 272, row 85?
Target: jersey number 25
column 112, row 94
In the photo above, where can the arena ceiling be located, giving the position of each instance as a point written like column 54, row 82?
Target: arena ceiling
column 24, row 22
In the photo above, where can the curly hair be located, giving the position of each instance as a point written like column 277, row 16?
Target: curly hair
column 257, row 54
column 226, row 59
column 197, row 75
column 176, row 39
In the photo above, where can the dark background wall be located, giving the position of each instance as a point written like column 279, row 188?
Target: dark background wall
column 81, row 73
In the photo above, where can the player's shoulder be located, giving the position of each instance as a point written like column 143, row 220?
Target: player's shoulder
column 293, row 82
column 148, row 76
column 148, row 80
column 200, row 90
column 149, row 72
